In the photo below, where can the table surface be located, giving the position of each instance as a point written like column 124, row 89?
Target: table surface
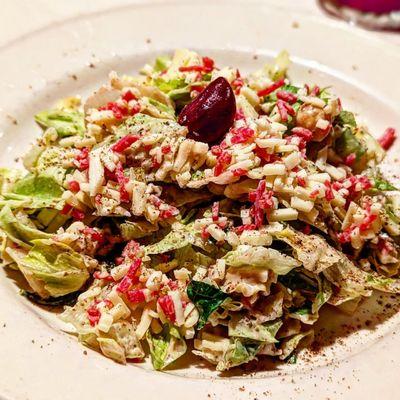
column 20, row 17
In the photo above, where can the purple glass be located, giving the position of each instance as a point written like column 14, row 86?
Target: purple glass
column 373, row 14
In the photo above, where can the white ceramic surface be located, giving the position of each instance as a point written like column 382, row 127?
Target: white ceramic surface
column 37, row 360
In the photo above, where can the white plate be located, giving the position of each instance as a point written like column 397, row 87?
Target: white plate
column 37, row 360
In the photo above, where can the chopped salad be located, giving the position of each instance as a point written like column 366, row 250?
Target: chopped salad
column 191, row 208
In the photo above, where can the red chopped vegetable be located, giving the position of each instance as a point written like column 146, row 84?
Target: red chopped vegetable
column 286, row 96
column 349, row 160
column 241, row 135
column 93, row 314
column 128, row 96
column 167, row 305
column 136, row 296
column 387, row 139
column 122, row 144
column 74, row 186
column 215, row 211
column 239, row 172
column 77, row 214
column 82, row 159
column 268, row 90
column 118, row 111
column 222, row 162
column 303, row 133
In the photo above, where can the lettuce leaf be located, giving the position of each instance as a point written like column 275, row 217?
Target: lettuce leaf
column 166, row 347
column 260, row 257
column 18, row 232
column 135, row 230
column 207, row 299
column 8, row 177
column 346, row 118
column 292, row 343
column 53, row 268
column 240, row 352
column 244, row 327
column 65, row 122
column 175, row 240
column 162, row 63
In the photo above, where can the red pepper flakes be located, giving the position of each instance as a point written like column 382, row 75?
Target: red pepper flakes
column 215, row 211
column 222, row 162
column 349, row 160
column 166, row 149
column 118, row 111
column 328, row 191
column 286, row 96
column 241, row 135
column 74, row 186
column 268, row 90
column 167, row 306
column 128, row 96
column 387, row 139
column 136, row 296
column 239, row 172
column 93, row 314
column 122, row 144
column 82, row 159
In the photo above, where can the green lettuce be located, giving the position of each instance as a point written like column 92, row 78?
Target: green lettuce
column 239, row 352
column 166, row 347
column 292, row 343
column 8, row 177
column 65, row 122
column 260, row 257
column 162, row 63
column 135, row 230
column 53, row 269
column 176, row 239
column 346, row 118
column 243, row 327
column 17, row 231
column 207, row 299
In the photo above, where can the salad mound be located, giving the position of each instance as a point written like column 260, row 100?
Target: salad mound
column 194, row 208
